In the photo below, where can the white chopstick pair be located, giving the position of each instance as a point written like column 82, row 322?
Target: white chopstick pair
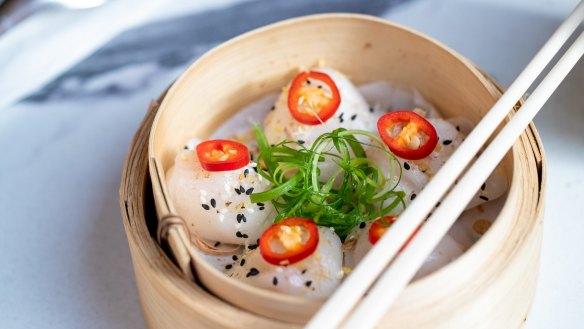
column 341, row 310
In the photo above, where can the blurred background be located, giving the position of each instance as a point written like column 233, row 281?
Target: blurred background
column 76, row 77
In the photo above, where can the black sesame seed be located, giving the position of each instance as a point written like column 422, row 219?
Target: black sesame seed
column 228, row 266
column 249, row 191
column 252, row 246
column 205, row 206
column 275, row 281
column 307, row 81
column 238, row 234
column 371, row 109
column 246, row 172
column 273, row 107
column 239, row 218
column 362, row 225
column 186, row 147
column 301, row 142
column 243, row 219
column 308, row 283
column 342, row 120
column 303, row 271
column 353, row 117
column 484, row 198
column 255, row 169
column 484, row 186
column 245, row 236
column 457, row 128
column 242, row 262
column 237, row 191
column 213, row 203
column 216, row 244
column 241, row 189
column 261, row 204
column 234, row 257
column 262, row 208
column 438, row 204
column 319, row 86
column 252, row 272
column 413, row 196
column 406, row 166
column 447, row 142
column 250, row 156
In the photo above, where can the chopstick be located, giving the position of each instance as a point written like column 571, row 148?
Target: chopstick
column 405, row 266
column 351, row 292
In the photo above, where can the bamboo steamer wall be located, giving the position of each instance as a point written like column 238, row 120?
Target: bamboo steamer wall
column 490, row 286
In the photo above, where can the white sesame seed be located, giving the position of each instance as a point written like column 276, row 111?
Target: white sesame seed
column 203, row 200
column 250, row 210
column 221, row 218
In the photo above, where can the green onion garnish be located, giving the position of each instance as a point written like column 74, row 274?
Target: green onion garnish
column 357, row 191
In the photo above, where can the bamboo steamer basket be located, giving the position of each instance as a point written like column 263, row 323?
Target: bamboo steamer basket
column 490, row 286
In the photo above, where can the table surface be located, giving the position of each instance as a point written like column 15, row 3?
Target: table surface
column 65, row 260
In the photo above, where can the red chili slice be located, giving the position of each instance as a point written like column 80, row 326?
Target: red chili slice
column 222, row 155
column 289, row 241
column 407, row 134
column 313, row 98
column 381, row 225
